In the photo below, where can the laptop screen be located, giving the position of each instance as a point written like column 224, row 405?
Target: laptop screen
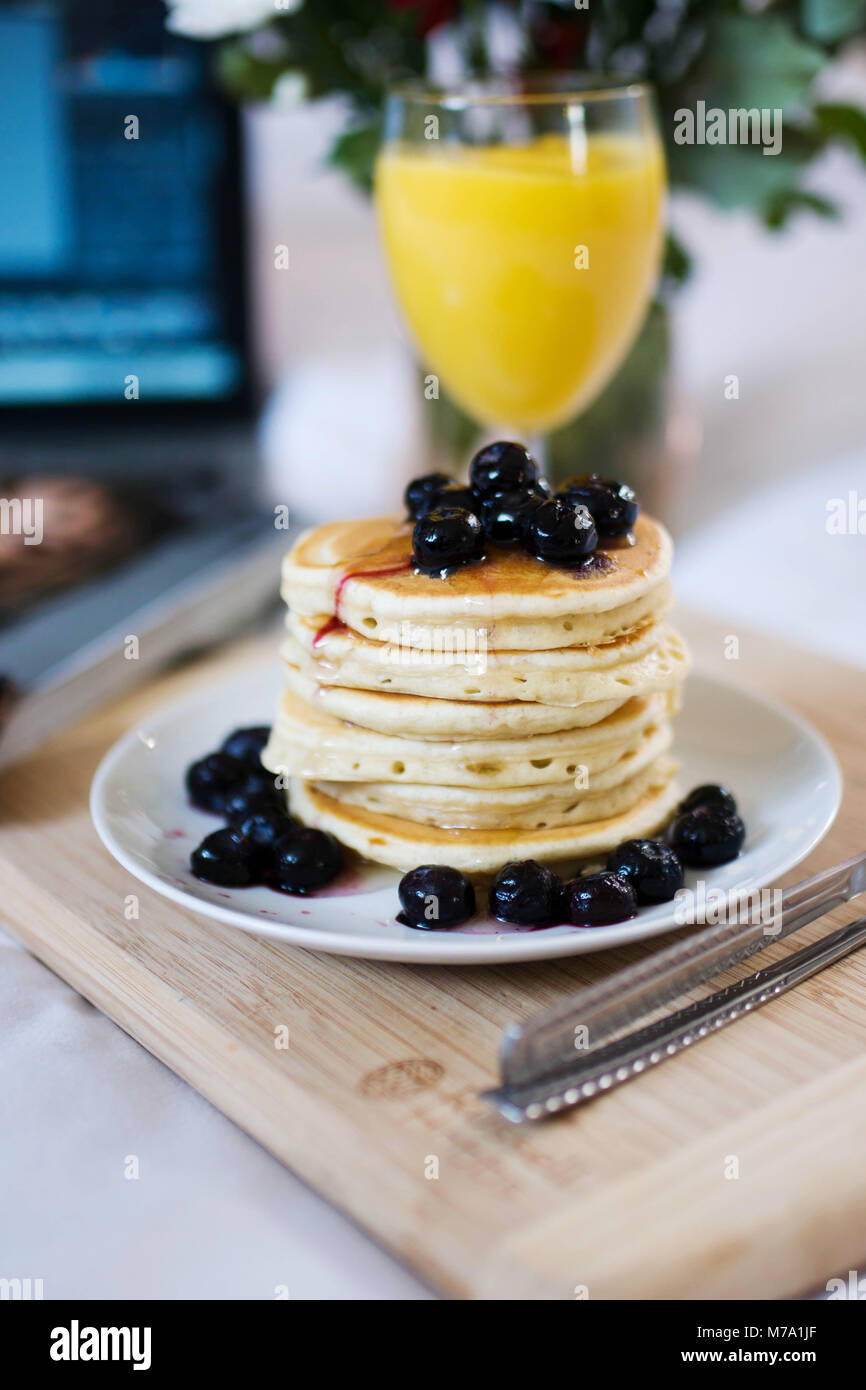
column 120, row 258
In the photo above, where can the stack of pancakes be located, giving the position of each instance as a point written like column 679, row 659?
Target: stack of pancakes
column 512, row 710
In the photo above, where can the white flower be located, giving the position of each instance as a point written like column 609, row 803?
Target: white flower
column 206, row 19
column 290, row 89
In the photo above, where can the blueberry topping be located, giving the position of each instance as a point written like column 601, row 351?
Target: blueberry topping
column 262, row 829
column 257, row 792
column 502, row 467
column 526, row 893
column 246, row 744
column 708, row 835
column 263, row 783
column 435, row 895
column 651, row 866
column 505, row 515
column 450, row 495
column 211, row 779
column 446, row 538
column 240, row 804
column 613, row 505
column 598, row 900
column 226, row 858
column 420, row 490
column 305, row 859
column 708, row 795
column 560, row 533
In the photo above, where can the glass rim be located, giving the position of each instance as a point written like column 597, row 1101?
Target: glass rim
column 524, row 89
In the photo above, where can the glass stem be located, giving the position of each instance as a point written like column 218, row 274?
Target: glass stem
column 537, row 446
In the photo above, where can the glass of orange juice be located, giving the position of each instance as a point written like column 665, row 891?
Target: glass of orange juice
column 523, row 224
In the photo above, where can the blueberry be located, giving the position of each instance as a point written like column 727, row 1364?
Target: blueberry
column 420, row 490
column 526, row 893
column 502, row 467
column 256, row 792
column 560, row 533
column 305, row 859
column 708, row 835
column 445, row 538
column 600, row 899
column 262, row 829
column 505, row 515
column 613, row 505
column 226, row 858
column 247, row 744
column 451, row 495
column 653, row 868
column 262, row 783
column 708, row 795
column 209, row 781
column 434, row 895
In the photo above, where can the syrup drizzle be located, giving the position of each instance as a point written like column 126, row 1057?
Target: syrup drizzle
column 332, row 625
column 335, row 623
column 366, row 574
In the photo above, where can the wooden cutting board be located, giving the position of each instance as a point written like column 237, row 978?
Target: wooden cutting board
column 374, row 1102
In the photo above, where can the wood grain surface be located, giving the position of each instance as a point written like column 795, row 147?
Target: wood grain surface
column 378, row 1087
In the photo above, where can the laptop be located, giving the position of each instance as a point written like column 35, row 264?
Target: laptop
column 126, row 398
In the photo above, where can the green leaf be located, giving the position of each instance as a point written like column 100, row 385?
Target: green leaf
column 355, row 152
column 754, row 61
column 779, row 208
column 828, row 21
column 735, row 176
column 677, row 263
column 848, row 122
column 243, row 75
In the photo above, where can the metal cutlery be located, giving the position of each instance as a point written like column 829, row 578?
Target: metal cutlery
column 563, row 1056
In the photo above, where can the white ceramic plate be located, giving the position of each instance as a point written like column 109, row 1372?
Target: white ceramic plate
column 784, row 776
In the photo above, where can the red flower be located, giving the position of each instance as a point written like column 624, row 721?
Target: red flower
column 559, row 38
column 431, row 13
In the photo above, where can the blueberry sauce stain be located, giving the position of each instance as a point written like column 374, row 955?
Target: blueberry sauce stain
column 403, row 565
column 332, row 625
column 597, row 563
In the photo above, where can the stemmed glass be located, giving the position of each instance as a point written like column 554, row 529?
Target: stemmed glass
column 523, row 223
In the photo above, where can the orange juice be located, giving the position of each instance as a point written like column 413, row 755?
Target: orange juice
column 524, row 271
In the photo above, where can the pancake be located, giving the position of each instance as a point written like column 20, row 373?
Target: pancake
column 510, row 634
column 403, row 844
column 307, row 742
column 609, row 791
column 649, row 660
column 361, row 572
column 439, row 719
column 510, row 709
